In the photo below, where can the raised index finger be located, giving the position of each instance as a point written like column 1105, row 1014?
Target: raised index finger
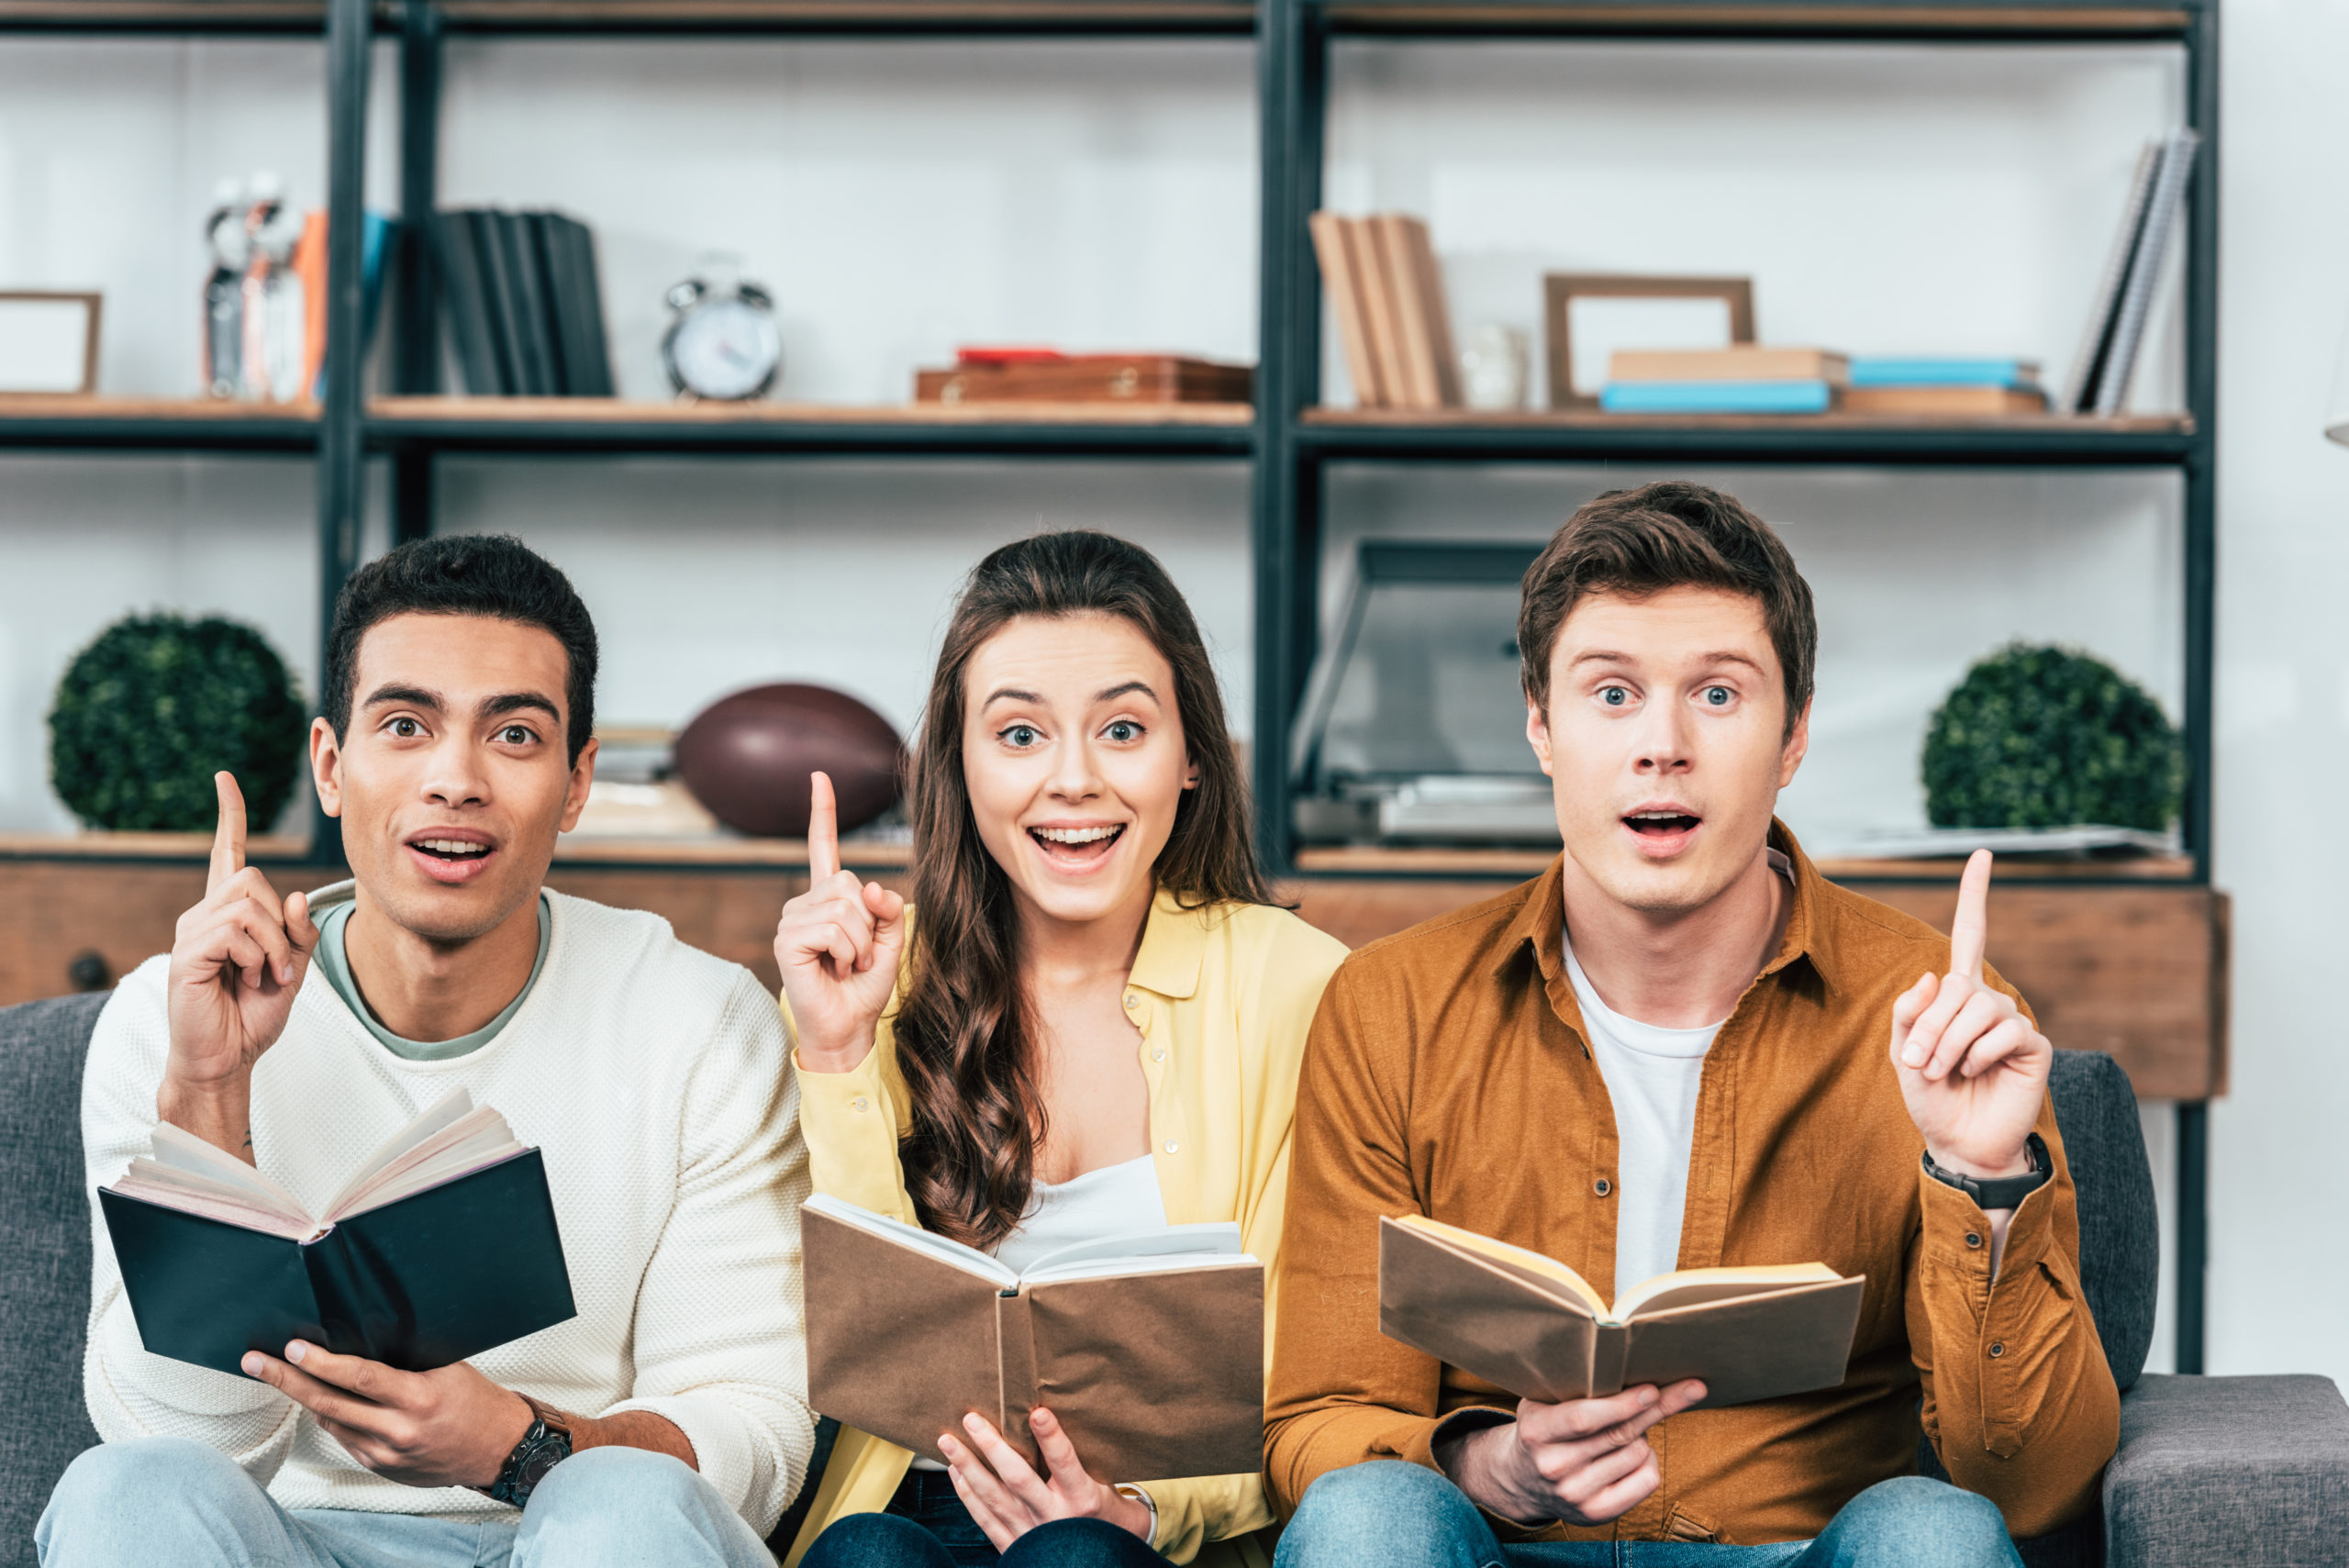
column 1969, row 932
column 823, row 829
column 228, row 838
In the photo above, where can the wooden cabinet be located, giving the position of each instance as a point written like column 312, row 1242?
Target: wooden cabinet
column 2136, row 970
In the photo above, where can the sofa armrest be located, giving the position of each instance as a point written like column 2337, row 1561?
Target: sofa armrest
column 2248, row 1472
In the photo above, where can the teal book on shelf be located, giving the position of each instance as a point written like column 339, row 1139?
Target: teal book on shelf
column 1717, row 398
column 1938, row 370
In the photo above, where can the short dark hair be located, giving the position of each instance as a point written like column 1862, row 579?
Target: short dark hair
column 1671, row 534
column 494, row 576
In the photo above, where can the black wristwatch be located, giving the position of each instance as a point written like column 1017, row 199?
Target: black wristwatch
column 544, row 1446
column 2000, row 1191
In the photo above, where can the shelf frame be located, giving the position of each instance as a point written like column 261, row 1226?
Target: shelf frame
column 1288, row 439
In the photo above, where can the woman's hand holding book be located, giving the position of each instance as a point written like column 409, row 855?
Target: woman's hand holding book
column 838, row 945
column 1007, row 1498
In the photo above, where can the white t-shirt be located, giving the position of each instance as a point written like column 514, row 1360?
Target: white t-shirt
column 1652, row 1076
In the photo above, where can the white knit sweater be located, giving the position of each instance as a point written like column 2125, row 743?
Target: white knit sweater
column 655, row 1079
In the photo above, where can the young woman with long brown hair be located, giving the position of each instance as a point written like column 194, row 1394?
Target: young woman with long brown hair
column 1094, row 1030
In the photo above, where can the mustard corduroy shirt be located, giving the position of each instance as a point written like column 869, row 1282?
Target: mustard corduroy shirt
column 1224, row 996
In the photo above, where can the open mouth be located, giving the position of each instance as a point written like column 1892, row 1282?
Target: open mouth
column 1660, row 826
column 454, row 850
column 1077, row 846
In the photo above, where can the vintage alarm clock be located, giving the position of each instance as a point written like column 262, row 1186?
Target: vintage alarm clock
column 724, row 345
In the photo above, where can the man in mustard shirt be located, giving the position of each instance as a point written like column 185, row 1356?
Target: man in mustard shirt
column 1680, row 1046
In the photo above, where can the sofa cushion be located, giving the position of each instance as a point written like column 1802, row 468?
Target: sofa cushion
column 2120, row 1261
column 44, row 1258
column 2248, row 1472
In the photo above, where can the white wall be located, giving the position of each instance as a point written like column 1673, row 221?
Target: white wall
column 904, row 198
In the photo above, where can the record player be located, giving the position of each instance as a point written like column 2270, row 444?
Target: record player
column 1412, row 729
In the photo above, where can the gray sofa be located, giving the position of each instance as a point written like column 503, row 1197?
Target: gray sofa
column 2248, row 1472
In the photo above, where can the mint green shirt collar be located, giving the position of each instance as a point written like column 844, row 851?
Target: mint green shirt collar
column 335, row 963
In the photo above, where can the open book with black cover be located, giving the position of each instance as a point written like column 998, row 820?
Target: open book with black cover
column 1149, row 1347
column 1531, row 1325
column 441, row 1245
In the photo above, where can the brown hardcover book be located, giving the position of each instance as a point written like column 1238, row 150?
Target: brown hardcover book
column 1382, row 313
column 1740, row 362
column 1534, row 1326
column 1150, row 1347
column 1333, row 247
column 1944, row 401
column 1437, row 312
column 1414, row 339
column 1089, row 378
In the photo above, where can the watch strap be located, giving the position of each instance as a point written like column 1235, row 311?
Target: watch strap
column 2000, row 1191
column 545, row 1444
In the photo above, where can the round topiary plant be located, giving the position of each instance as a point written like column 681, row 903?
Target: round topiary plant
column 2047, row 737
column 148, row 713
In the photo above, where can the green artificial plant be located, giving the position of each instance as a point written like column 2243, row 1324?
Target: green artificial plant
column 149, row 712
column 2038, row 737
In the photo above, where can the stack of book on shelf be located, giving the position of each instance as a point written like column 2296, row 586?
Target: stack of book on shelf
column 1743, row 378
column 1932, row 388
column 524, row 307
column 2099, row 382
column 1384, row 288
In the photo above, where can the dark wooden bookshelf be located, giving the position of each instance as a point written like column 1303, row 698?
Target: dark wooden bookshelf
column 1561, row 437
column 156, row 425
column 1290, row 440
column 590, row 425
column 1976, row 21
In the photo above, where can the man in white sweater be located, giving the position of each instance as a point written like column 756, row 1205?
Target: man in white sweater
column 667, row 1422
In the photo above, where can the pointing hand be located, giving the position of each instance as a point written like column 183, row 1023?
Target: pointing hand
column 838, row 945
column 236, row 963
column 1973, row 1069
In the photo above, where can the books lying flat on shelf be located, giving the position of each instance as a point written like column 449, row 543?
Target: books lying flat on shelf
column 441, row 1245
column 1149, row 1347
column 1914, row 370
column 2108, row 358
column 1534, row 1326
column 525, row 309
column 1739, row 361
column 1944, row 401
column 1386, row 289
column 1717, row 396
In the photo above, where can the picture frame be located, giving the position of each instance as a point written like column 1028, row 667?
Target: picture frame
column 1673, row 311
column 49, row 342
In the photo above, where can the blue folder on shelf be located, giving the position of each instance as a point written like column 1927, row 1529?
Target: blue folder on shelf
column 1717, row 398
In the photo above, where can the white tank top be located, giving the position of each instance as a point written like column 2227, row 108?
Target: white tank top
column 1115, row 1200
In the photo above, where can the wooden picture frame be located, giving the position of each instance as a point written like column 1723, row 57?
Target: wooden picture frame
column 93, row 309
column 1561, row 289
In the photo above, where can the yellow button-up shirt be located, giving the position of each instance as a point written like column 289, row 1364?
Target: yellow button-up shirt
column 1223, row 996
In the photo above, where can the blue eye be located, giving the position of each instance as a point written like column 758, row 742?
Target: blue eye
column 1125, row 729
column 1718, row 695
column 1020, row 735
column 1614, row 697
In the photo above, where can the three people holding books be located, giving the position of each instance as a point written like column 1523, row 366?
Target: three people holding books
column 1680, row 1043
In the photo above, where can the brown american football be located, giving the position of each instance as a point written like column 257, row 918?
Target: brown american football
column 747, row 757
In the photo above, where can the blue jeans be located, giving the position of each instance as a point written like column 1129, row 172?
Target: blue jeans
column 928, row 1527
column 160, row 1500
column 1388, row 1513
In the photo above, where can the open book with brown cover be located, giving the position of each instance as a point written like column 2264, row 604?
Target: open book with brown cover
column 1149, row 1347
column 1534, row 1326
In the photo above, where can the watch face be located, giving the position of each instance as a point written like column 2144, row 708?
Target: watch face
column 725, row 349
